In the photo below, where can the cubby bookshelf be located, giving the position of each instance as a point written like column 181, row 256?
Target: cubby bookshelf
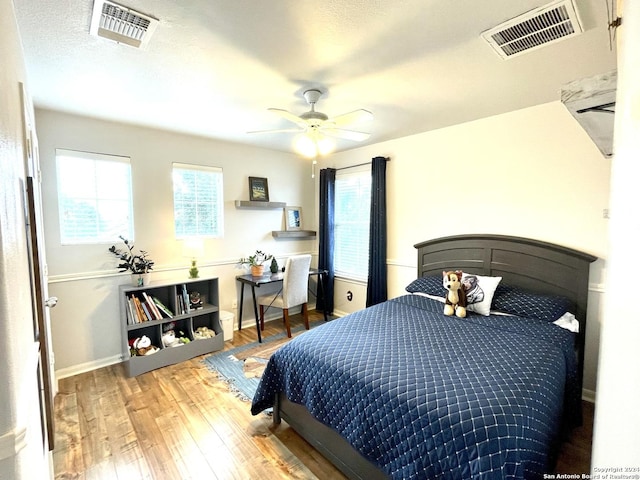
column 137, row 322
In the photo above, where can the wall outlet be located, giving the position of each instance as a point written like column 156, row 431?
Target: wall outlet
column 234, row 304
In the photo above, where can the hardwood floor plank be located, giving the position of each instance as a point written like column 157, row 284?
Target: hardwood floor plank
column 128, row 457
column 96, row 448
column 182, row 422
column 67, row 459
column 103, row 469
column 156, row 453
column 186, row 455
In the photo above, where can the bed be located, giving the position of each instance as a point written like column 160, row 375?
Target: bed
column 399, row 390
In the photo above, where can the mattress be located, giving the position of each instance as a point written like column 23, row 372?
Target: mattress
column 423, row 395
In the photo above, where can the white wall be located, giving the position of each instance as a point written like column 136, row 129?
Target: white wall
column 616, row 443
column 22, row 455
column 85, row 324
column 531, row 173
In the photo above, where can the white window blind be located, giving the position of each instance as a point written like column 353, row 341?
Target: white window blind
column 352, row 205
column 94, row 197
column 197, row 201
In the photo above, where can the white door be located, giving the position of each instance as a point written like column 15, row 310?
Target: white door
column 39, row 274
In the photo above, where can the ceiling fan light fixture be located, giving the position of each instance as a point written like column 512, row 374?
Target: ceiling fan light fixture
column 313, row 146
column 317, row 130
column 325, row 146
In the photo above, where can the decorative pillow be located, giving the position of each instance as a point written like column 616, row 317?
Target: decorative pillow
column 531, row 305
column 431, row 285
column 480, row 292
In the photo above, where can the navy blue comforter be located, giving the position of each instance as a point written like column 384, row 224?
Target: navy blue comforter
column 423, row 395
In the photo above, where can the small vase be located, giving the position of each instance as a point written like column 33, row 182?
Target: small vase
column 139, row 279
column 257, row 270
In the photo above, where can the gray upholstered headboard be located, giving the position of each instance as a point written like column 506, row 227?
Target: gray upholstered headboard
column 533, row 265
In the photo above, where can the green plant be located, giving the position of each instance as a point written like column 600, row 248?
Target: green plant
column 135, row 262
column 193, row 271
column 255, row 260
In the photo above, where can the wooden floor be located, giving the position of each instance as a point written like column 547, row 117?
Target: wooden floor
column 181, row 422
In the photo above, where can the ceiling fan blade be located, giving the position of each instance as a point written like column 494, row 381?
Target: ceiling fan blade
column 351, row 117
column 280, row 130
column 289, row 116
column 346, row 134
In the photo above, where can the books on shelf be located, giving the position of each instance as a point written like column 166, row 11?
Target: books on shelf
column 162, row 307
column 182, row 301
column 144, row 307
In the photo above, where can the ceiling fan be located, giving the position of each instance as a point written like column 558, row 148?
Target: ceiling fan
column 317, row 124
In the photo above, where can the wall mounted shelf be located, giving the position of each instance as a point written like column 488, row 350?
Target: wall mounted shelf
column 293, row 234
column 250, row 204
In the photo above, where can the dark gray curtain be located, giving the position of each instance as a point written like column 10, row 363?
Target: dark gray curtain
column 326, row 235
column 377, row 284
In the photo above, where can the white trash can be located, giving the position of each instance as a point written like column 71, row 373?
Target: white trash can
column 226, row 320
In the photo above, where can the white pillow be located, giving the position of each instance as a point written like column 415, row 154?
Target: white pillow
column 568, row 321
column 480, row 292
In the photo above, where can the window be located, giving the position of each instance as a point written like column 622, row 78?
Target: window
column 197, row 200
column 353, row 199
column 94, row 197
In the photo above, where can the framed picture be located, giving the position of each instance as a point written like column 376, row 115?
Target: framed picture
column 258, row 189
column 293, row 218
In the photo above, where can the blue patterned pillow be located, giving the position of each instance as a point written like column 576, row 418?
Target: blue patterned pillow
column 531, row 305
column 431, row 285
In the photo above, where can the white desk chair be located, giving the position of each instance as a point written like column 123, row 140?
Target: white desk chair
column 294, row 292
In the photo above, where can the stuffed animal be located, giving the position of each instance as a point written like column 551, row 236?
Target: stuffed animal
column 142, row 346
column 456, row 298
column 203, row 332
column 171, row 339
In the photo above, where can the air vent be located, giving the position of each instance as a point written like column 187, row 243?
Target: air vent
column 535, row 29
column 121, row 24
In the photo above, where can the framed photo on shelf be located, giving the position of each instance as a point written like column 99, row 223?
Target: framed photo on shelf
column 293, row 218
column 258, row 189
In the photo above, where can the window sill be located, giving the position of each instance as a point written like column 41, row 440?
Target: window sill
column 354, row 280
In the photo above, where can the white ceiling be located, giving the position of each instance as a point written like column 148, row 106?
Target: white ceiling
column 213, row 67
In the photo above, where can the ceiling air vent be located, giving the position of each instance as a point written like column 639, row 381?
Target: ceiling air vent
column 121, row 24
column 534, row 29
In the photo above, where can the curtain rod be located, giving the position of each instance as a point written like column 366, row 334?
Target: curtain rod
column 359, row 165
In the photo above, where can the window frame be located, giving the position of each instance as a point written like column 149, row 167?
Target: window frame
column 128, row 220
column 363, row 172
column 219, row 210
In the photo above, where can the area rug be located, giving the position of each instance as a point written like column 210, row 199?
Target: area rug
column 242, row 367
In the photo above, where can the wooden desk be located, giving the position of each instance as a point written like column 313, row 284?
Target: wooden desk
column 272, row 278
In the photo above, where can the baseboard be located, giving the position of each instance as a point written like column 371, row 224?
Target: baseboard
column 87, row 367
column 12, row 442
column 105, row 362
column 588, row 395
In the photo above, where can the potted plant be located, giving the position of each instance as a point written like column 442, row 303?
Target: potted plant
column 137, row 263
column 256, row 262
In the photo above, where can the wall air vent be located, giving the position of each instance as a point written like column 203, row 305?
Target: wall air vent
column 534, row 29
column 121, row 24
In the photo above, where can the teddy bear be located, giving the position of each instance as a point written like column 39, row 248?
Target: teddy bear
column 456, row 298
